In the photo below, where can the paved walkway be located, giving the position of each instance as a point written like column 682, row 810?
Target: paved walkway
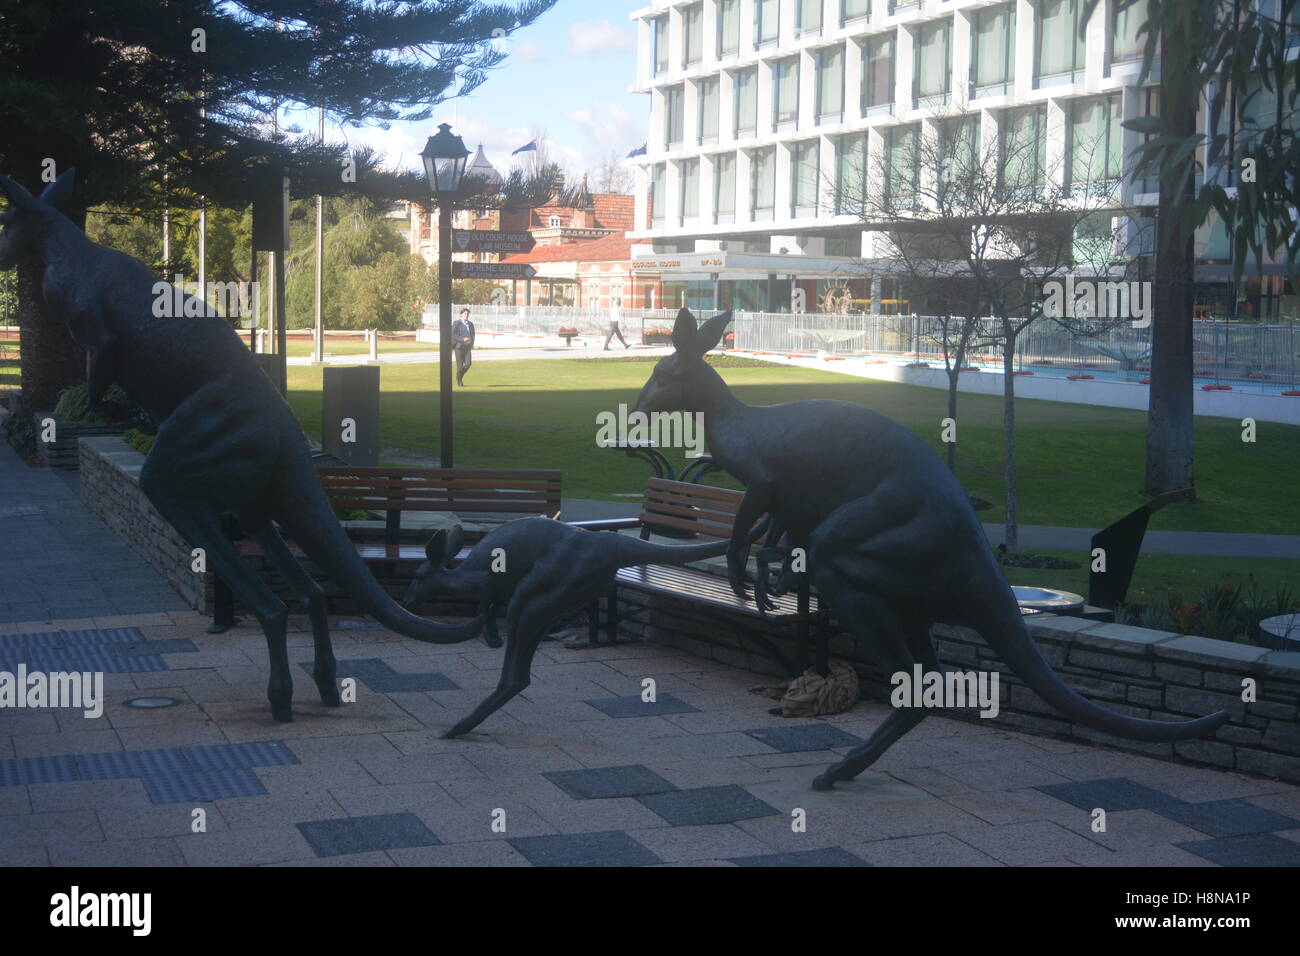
column 57, row 560
column 577, row 770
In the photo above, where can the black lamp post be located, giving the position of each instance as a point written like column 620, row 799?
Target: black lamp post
column 444, row 158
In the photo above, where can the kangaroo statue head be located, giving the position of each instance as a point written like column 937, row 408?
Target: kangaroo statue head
column 30, row 218
column 683, row 381
column 435, row 577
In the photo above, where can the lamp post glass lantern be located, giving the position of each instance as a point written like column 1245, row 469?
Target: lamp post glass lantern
column 444, row 158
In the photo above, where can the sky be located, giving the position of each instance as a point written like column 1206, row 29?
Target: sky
column 567, row 73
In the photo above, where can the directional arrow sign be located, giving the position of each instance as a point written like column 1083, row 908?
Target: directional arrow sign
column 492, row 270
column 481, row 240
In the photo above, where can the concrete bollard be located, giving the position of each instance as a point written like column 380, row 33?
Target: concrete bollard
column 374, row 345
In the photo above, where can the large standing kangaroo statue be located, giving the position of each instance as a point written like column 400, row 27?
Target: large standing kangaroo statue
column 893, row 544
column 226, row 442
column 550, row 569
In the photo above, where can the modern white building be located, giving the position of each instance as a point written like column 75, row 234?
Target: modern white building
column 758, row 106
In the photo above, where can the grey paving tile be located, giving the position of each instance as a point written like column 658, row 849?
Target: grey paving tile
column 1256, row 849
column 1226, row 818
column 808, row 737
column 634, row 706
column 611, row 848
column 387, row 831
column 1114, row 793
column 629, row 781
column 707, row 805
column 828, row 856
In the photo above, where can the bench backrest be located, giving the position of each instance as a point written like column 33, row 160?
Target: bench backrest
column 686, row 507
column 482, row 490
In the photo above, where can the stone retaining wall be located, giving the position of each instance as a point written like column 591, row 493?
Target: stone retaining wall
column 1143, row 673
column 64, row 451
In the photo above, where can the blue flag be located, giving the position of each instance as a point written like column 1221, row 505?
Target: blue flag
column 529, row 148
column 637, row 152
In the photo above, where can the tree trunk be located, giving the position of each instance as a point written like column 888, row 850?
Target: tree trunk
column 1170, row 450
column 954, row 372
column 1012, row 535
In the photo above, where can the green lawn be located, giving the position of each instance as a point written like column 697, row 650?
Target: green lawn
column 1080, row 466
column 302, row 347
column 1157, row 573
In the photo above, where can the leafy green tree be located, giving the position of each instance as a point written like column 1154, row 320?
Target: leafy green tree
column 140, row 97
column 1233, row 55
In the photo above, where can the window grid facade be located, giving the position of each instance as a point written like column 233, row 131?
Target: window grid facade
column 771, row 83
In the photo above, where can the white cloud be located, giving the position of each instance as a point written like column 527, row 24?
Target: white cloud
column 599, row 36
column 610, row 128
column 530, row 51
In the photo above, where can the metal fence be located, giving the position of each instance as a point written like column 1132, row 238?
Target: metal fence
column 1268, row 355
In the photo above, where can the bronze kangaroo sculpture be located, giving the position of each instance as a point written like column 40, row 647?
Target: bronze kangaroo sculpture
column 892, row 541
column 550, row 569
column 227, row 441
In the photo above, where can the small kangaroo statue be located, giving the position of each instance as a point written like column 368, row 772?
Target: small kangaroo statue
column 547, row 569
column 892, row 541
column 226, row 440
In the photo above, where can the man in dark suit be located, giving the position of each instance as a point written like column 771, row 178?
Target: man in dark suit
column 462, row 340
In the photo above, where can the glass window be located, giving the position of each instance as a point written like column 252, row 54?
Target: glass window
column 960, row 169
column 1125, row 44
column 1059, row 45
column 692, row 34
column 657, row 194
column 709, row 106
column 762, row 182
column 1023, row 148
column 661, row 45
column 1095, row 140
column 785, row 91
column 854, row 10
column 728, row 27
column 690, row 177
column 810, row 16
column 933, row 76
column 767, row 21
column 804, row 174
column 851, row 174
column 902, row 161
column 745, row 94
column 878, row 72
column 724, row 187
column 674, row 114
column 994, row 55
column 830, row 84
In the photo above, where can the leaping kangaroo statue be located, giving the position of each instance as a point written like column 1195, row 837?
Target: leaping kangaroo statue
column 550, row 569
column 227, row 441
column 893, row 543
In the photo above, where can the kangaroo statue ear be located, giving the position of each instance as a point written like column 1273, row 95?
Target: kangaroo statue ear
column 59, row 192
column 454, row 538
column 16, row 194
column 711, row 332
column 435, row 548
column 684, row 334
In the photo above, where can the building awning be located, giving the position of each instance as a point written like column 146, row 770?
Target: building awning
column 747, row 265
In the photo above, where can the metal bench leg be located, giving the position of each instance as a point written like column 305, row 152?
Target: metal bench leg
column 223, row 607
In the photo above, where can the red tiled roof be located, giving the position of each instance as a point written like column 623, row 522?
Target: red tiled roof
column 613, row 248
column 610, row 211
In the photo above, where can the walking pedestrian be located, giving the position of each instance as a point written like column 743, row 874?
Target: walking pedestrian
column 615, row 318
column 462, row 341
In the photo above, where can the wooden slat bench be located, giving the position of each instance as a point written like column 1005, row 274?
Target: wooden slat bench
column 394, row 491
column 677, row 508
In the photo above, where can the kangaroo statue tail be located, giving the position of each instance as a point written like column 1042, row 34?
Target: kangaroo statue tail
column 314, row 527
column 1002, row 626
column 634, row 551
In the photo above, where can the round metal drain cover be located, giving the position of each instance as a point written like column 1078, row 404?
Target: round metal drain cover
column 152, row 703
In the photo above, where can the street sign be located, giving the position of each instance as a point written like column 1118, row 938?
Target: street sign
column 492, row 270
column 482, row 240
